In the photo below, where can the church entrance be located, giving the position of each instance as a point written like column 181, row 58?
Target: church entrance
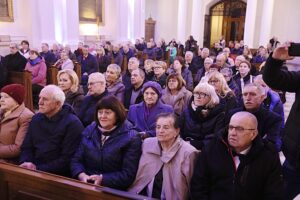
column 226, row 18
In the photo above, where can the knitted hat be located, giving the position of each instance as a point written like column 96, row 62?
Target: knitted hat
column 154, row 85
column 15, row 91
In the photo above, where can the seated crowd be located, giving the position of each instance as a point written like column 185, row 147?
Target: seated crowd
column 173, row 122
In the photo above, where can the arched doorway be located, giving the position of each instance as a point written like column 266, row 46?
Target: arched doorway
column 226, row 18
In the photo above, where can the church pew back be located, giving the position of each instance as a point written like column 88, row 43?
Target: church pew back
column 19, row 183
column 23, row 78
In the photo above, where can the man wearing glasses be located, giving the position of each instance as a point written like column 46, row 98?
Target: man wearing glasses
column 239, row 165
column 14, row 61
column 96, row 91
column 269, row 123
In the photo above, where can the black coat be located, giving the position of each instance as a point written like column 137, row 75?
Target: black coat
column 128, row 94
column 3, row 73
column 14, row 62
column 197, row 129
column 258, row 176
column 117, row 159
column 75, row 100
column 278, row 78
column 269, row 124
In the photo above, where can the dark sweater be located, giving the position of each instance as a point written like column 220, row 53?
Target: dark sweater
column 14, row 62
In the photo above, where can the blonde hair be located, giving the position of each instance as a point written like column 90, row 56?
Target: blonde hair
column 73, row 77
column 210, row 90
column 224, row 86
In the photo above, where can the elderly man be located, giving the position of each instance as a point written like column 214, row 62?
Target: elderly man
column 127, row 51
column 96, row 86
column 133, row 64
column 134, row 94
column 269, row 123
column 49, row 57
column 14, row 61
column 117, row 56
column 221, row 61
column 191, row 62
column 88, row 64
column 53, row 134
column 239, row 165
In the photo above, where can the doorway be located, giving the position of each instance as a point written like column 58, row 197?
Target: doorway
column 226, row 18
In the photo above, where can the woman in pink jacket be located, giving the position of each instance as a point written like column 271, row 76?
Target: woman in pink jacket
column 37, row 66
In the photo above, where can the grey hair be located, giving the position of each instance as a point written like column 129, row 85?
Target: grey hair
column 115, row 67
column 15, row 45
column 189, row 52
column 259, row 88
column 210, row 90
column 56, row 92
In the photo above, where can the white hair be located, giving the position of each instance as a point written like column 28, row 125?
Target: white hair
column 56, row 93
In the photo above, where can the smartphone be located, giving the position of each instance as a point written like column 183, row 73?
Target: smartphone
column 294, row 49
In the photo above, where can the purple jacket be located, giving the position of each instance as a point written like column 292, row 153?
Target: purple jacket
column 38, row 71
column 137, row 116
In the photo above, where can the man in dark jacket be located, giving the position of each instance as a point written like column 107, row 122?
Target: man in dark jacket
column 96, row 85
column 3, row 73
column 238, row 166
column 49, row 57
column 279, row 78
column 53, row 135
column 14, row 61
column 134, row 95
column 269, row 123
column 89, row 65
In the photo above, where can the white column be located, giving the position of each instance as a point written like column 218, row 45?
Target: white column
column 197, row 26
column 139, row 19
column 71, row 23
column 181, row 25
column 122, row 20
column 249, row 33
column 45, row 10
column 266, row 22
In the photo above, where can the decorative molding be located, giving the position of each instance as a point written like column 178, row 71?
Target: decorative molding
column 6, row 11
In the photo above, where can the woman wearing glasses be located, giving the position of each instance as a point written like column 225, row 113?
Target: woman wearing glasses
column 203, row 119
column 226, row 95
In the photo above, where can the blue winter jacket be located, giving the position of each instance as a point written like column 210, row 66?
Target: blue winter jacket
column 51, row 142
column 117, row 159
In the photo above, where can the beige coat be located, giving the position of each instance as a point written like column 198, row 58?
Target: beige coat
column 180, row 102
column 178, row 168
column 13, row 129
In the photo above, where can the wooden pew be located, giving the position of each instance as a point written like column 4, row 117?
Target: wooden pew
column 77, row 69
column 168, row 61
column 52, row 75
column 18, row 183
column 124, row 65
column 23, row 78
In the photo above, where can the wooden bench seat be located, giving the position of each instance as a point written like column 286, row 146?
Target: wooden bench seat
column 17, row 183
column 23, row 78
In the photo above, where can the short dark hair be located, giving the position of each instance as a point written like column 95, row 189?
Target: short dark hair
column 25, row 41
column 169, row 115
column 113, row 103
column 180, row 60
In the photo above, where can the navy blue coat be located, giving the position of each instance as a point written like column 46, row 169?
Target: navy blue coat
column 117, row 159
column 136, row 115
column 198, row 129
column 49, row 57
column 88, row 106
column 50, row 143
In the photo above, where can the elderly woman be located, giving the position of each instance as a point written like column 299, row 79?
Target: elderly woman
column 160, row 75
column 14, row 121
column 175, row 94
column 228, row 75
column 68, row 81
column 203, row 72
column 204, row 117
column 226, row 95
column 167, row 162
column 37, row 66
column 148, row 67
column 114, row 83
column 244, row 76
column 143, row 115
column 110, row 148
column 179, row 67
column 64, row 62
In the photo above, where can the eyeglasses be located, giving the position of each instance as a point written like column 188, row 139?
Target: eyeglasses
column 200, row 94
column 213, row 81
column 93, row 83
column 157, row 67
column 172, row 81
column 239, row 129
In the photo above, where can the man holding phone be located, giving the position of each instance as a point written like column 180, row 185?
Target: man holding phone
column 281, row 79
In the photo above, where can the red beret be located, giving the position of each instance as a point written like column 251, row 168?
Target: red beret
column 15, row 91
